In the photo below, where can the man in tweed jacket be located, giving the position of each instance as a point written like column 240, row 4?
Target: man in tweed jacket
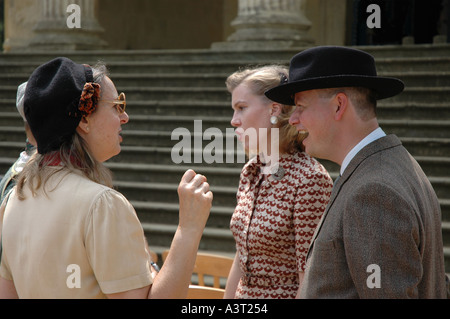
column 380, row 236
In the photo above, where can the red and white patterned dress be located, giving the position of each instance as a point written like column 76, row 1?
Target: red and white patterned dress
column 274, row 221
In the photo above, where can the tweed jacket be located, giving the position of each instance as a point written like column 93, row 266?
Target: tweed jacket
column 380, row 236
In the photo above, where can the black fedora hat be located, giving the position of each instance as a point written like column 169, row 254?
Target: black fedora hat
column 326, row 67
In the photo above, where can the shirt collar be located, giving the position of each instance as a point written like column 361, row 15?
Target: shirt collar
column 375, row 135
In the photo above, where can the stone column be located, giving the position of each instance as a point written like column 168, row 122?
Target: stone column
column 269, row 24
column 53, row 33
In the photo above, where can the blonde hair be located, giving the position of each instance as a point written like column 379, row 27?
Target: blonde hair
column 259, row 80
column 74, row 156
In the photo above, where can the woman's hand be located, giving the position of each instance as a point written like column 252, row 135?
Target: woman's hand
column 195, row 201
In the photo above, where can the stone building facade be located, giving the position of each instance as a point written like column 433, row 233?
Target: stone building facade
column 218, row 24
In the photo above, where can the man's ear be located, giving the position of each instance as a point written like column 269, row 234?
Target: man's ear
column 275, row 109
column 341, row 103
column 83, row 126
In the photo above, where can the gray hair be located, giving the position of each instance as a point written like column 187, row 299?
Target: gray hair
column 19, row 99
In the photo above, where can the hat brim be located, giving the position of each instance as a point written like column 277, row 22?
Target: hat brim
column 384, row 87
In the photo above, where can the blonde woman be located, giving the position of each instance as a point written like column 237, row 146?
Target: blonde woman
column 66, row 233
column 277, row 209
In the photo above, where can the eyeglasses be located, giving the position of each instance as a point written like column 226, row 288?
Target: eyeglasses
column 120, row 103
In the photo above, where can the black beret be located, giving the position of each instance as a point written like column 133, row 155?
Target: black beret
column 51, row 101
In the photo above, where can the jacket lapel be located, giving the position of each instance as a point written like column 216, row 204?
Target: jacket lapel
column 370, row 149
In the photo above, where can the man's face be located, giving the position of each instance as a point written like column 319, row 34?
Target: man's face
column 314, row 115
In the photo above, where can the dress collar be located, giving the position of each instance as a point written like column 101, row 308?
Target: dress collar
column 254, row 168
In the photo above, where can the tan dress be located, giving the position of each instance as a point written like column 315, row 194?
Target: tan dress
column 82, row 241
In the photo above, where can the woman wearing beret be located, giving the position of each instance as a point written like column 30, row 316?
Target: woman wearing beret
column 66, row 233
column 277, row 209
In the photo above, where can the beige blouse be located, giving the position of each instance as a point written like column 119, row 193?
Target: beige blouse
column 79, row 240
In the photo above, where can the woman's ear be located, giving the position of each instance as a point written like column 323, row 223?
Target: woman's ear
column 83, row 126
column 275, row 109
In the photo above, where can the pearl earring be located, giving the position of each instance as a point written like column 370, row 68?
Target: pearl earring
column 274, row 120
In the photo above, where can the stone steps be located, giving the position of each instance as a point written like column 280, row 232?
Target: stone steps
column 163, row 155
column 143, row 79
column 423, row 146
column 153, row 173
column 417, row 128
column 413, row 110
column 412, row 78
column 219, row 94
column 407, row 67
column 165, row 124
column 153, row 192
column 190, row 55
column 403, row 128
column 134, row 158
column 90, row 56
column 225, row 174
column 212, row 240
column 385, row 109
column 422, row 78
column 162, row 212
